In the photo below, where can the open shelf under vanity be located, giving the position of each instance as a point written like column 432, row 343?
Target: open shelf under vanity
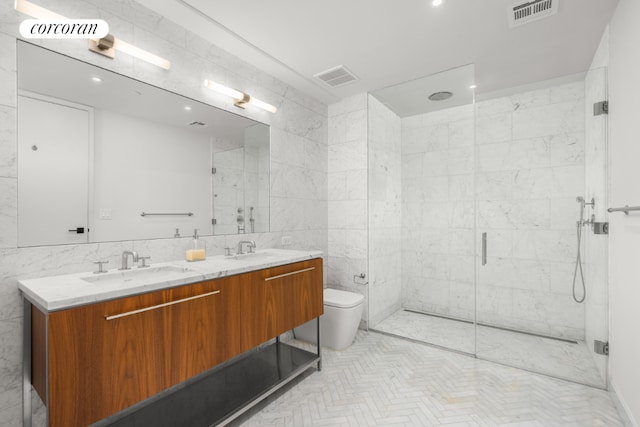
column 221, row 395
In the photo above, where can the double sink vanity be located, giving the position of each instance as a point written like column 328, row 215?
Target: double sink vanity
column 103, row 347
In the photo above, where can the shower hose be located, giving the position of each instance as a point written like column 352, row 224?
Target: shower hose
column 579, row 265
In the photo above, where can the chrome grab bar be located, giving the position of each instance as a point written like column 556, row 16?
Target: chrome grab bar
column 289, row 274
column 626, row 209
column 154, row 307
column 167, row 214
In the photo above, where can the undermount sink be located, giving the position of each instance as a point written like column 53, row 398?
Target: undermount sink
column 254, row 256
column 164, row 272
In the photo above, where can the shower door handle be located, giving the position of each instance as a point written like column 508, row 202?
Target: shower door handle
column 484, row 248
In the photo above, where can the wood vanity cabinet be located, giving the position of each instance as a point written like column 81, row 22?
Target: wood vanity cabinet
column 277, row 299
column 100, row 363
column 93, row 361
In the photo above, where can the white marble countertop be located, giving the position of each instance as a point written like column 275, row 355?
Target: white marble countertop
column 71, row 290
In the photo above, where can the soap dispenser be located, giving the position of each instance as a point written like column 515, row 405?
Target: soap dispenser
column 196, row 249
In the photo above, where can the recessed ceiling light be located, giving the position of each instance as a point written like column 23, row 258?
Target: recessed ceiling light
column 436, row 3
column 473, row 87
column 440, row 96
column 96, row 79
column 187, row 108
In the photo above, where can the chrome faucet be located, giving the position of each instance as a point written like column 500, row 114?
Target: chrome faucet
column 125, row 256
column 250, row 243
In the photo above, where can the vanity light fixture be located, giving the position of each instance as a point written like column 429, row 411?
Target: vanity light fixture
column 109, row 44
column 105, row 46
column 241, row 98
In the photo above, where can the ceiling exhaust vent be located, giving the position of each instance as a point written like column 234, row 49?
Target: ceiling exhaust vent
column 524, row 11
column 336, row 76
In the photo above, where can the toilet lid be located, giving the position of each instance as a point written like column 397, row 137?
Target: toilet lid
column 341, row 299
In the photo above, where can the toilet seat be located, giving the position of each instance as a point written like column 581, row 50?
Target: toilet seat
column 341, row 299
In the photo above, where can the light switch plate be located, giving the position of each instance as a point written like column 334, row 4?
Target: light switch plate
column 105, row 213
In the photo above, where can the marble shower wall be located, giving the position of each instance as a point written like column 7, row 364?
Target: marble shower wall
column 347, row 194
column 530, row 170
column 298, row 203
column 257, row 171
column 438, row 157
column 385, row 216
column 228, row 189
column 518, row 183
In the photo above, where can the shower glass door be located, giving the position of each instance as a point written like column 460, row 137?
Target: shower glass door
column 540, row 181
column 478, row 212
column 422, row 210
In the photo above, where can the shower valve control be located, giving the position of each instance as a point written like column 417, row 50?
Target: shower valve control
column 600, row 228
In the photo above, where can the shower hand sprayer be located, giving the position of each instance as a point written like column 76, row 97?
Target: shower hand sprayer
column 581, row 221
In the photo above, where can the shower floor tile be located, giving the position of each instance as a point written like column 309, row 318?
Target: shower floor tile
column 382, row 381
column 434, row 330
column 561, row 359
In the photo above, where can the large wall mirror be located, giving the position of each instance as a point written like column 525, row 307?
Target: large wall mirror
column 103, row 157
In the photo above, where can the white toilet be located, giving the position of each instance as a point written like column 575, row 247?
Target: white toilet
column 338, row 324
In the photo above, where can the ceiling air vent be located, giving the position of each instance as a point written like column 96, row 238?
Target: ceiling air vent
column 524, row 11
column 336, row 76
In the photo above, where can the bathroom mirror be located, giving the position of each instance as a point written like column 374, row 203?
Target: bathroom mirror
column 103, row 157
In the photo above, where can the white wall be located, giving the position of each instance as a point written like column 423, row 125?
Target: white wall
column 241, row 181
column 385, row 211
column 530, row 171
column 624, row 238
column 347, row 192
column 298, row 143
column 438, row 214
column 137, row 169
column 228, row 190
column 256, row 192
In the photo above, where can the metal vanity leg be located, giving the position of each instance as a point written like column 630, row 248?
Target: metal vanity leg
column 318, row 341
column 26, row 365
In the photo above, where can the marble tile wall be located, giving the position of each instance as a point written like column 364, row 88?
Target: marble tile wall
column 518, row 183
column 438, row 212
column 348, row 196
column 385, row 216
column 228, row 189
column 530, row 170
column 257, row 189
column 298, row 204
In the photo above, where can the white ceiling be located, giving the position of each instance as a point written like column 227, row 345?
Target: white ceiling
column 386, row 42
column 412, row 97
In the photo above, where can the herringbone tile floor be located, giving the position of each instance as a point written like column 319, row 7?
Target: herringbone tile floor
column 386, row 381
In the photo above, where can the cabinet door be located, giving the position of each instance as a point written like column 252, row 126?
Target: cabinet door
column 105, row 357
column 277, row 299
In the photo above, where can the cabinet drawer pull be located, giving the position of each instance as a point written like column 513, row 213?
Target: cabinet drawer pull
column 154, row 307
column 289, row 274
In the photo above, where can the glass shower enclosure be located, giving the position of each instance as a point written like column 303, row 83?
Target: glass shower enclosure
column 478, row 209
